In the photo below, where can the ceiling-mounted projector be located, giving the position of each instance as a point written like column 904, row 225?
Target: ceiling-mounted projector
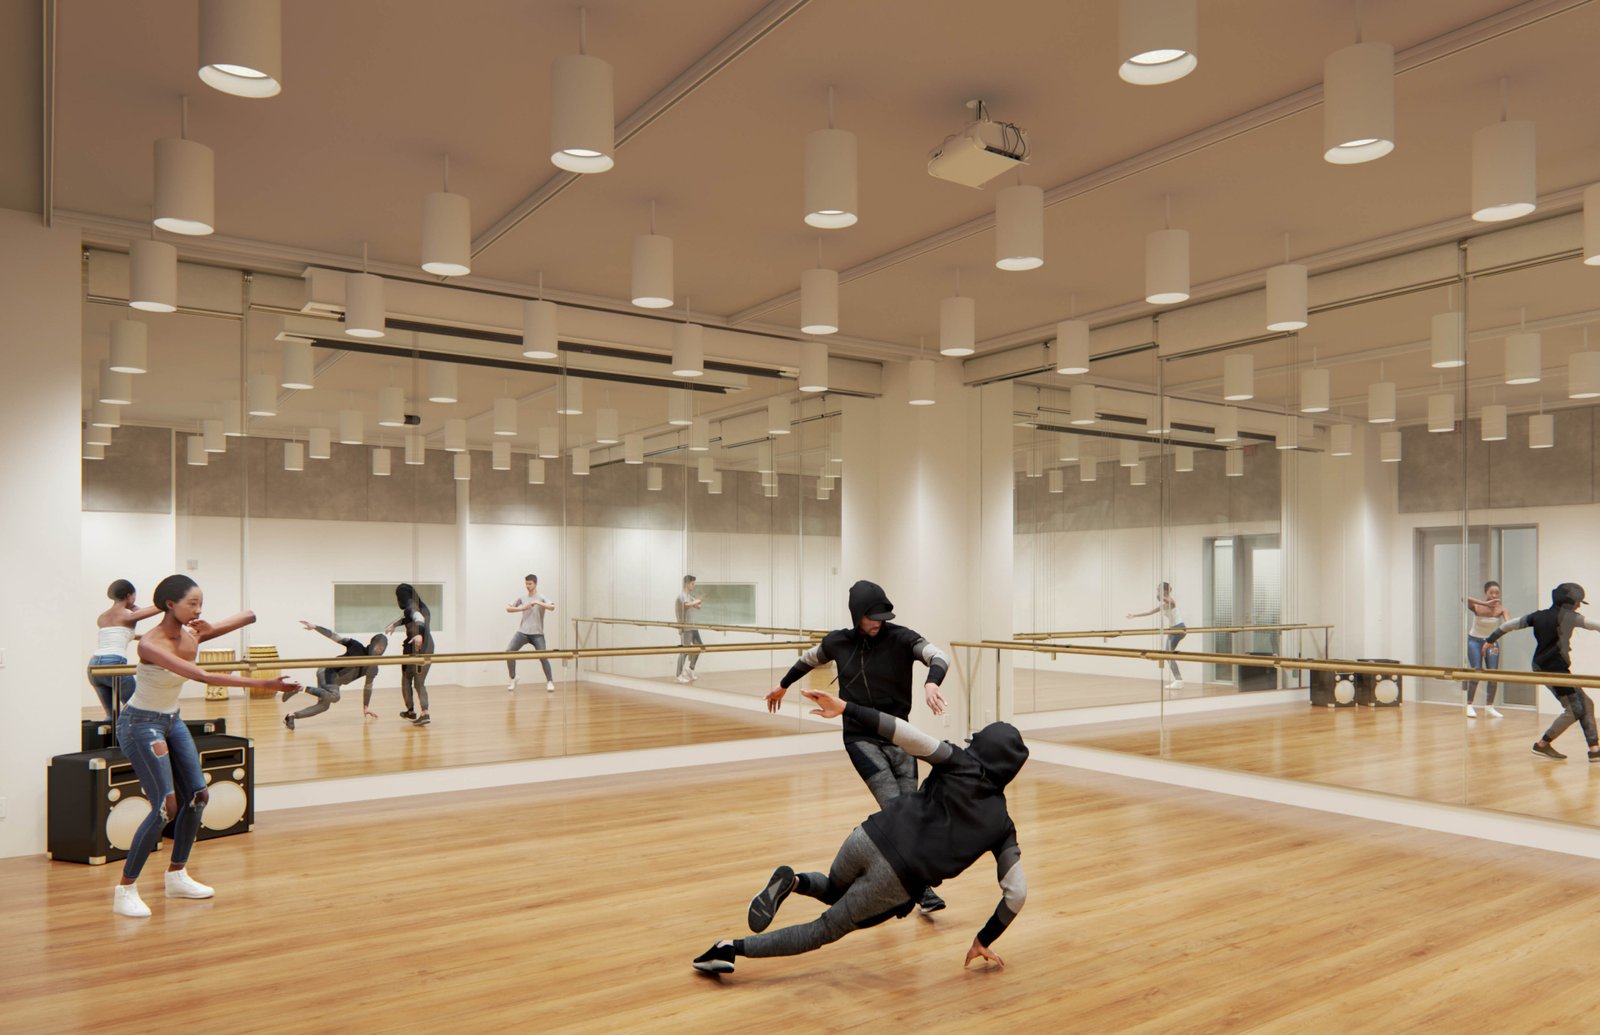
column 981, row 151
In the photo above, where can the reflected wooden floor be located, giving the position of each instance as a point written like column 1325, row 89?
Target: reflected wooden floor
column 576, row 908
column 1426, row 751
column 1046, row 689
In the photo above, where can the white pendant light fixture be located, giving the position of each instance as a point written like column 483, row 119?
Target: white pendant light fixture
column 652, row 479
column 1088, row 468
column 94, row 451
column 130, row 353
column 455, row 435
column 1503, row 163
column 700, row 435
column 1288, row 436
column 920, row 382
column 824, row 490
column 549, row 443
column 463, row 467
column 500, row 456
column 299, row 369
column 1136, row 474
column 1583, row 373
column 1128, row 453
column 391, row 408
column 1448, row 337
column 1389, row 447
column 958, row 323
column 771, row 491
column 778, row 415
column 1083, row 405
column 1019, row 227
column 319, row 444
column 1166, row 264
column 352, row 428
column 1441, row 413
column 1286, row 294
column 582, row 111
column 232, row 423
column 714, row 486
column 1524, row 362
column 1227, row 431
column 571, row 404
column 1183, row 459
column 211, row 436
column 1033, row 463
column 652, row 268
column 416, row 450
column 1358, row 103
column 688, row 354
column 153, row 277
column 443, row 385
column 1314, row 390
column 1542, row 431
column 535, row 471
column 1055, row 481
column 1341, row 440
column 382, row 463
column 580, row 460
column 98, row 436
column 605, row 426
column 364, row 315
column 819, row 298
column 1238, row 376
column 241, row 46
column 679, row 413
column 1067, row 449
column 196, row 447
column 1157, row 40
column 1380, row 402
column 294, row 456
column 813, row 366
column 1591, row 225
column 705, row 469
column 105, row 415
column 836, row 447
column 1072, row 347
column 115, row 389
column 1492, row 423
column 1233, row 463
column 540, row 327
column 185, row 201
column 261, row 393
column 765, row 456
column 505, row 417
column 633, row 448
column 446, row 231
column 830, row 176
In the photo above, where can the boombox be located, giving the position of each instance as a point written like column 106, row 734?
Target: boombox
column 96, row 804
column 101, row 733
column 1347, row 689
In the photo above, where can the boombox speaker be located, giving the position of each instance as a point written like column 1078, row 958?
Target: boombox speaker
column 1333, row 689
column 100, row 733
column 96, row 804
column 1378, row 690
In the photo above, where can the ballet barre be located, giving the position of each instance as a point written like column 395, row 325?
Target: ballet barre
column 1171, row 630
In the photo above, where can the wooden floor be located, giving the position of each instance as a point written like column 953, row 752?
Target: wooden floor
column 1431, row 752
column 1046, row 689
column 576, row 908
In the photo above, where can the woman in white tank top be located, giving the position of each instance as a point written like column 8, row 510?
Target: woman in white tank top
column 116, row 629
column 1172, row 621
column 157, row 743
column 1487, row 614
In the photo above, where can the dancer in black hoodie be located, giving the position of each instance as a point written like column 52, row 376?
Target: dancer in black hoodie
column 873, row 664
column 919, row 839
column 1552, row 652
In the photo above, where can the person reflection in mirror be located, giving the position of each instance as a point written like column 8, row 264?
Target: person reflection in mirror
column 1552, row 652
column 1172, row 621
column 873, row 662
column 683, row 613
column 530, row 631
column 115, row 625
column 1487, row 614
column 417, row 620
column 329, row 680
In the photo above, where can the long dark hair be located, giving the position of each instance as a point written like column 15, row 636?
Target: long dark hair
column 172, row 589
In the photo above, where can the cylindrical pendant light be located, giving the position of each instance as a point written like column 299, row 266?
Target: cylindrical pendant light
column 704, row 470
column 319, row 444
column 633, row 448
column 1067, row 449
column 549, row 443
column 1358, row 103
column 582, row 114
column 1072, row 347
column 443, row 385
column 819, row 301
column 678, row 408
column 1233, row 463
column 94, row 451
column 652, row 479
column 652, row 271
column 778, row 415
column 1166, row 266
column 1542, row 431
column 1157, row 40
column 824, row 489
column 197, row 451
column 98, row 436
column 813, row 366
column 500, row 456
column 919, row 382
column 115, row 389
column 771, row 491
column 571, row 404
column 299, row 369
column 1088, row 468
column 382, row 463
column 1341, row 440
column 1055, row 481
column 539, row 330
column 1591, row 225
column 391, row 408
column 688, row 356
column 714, row 486
column 364, row 315
column 830, row 184
column 1524, row 362
column 1183, row 459
column 153, row 277
column 1286, row 297
column 1441, row 413
column 957, row 326
column 446, row 234
column 232, row 423
column 1033, row 463
column 1128, row 453
column 241, row 46
column 765, row 457
column 1227, row 425
column 1288, row 436
column 836, row 447
column 1083, row 405
column 211, row 436
column 580, row 460
column 1380, row 402
column 700, row 435
column 1389, row 447
column 1448, row 348
column 1503, row 184
column 1314, row 390
column 1238, row 376
column 1136, row 474
column 416, row 450
column 294, row 456
column 352, row 428
column 1492, row 422
column 463, row 467
column 261, row 393
column 1583, row 375
column 605, row 426
column 505, row 417
column 535, row 471
column 455, row 435
column 1019, row 227
column 105, row 415
column 130, row 353
column 184, row 200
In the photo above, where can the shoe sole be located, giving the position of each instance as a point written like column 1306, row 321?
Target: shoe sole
column 760, row 915
column 714, row 967
column 132, row 916
column 1546, row 754
column 184, row 894
column 926, row 909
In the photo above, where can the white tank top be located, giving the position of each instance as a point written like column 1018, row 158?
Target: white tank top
column 155, row 689
column 1483, row 625
column 114, row 640
column 1169, row 614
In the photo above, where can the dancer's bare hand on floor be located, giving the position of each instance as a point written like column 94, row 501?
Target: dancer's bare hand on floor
column 369, row 713
column 981, row 951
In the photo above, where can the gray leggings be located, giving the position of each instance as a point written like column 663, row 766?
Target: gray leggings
column 327, row 696
column 522, row 639
column 414, row 679
column 887, row 770
column 861, row 890
column 689, row 638
column 1579, row 709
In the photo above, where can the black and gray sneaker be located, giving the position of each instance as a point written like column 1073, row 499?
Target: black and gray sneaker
column 716, row 960
column 288, row 720
column 408, row 714
column 421, row 720
column 1594, row 755
column 931, row 903
column 1547, row 751
column 765, row 905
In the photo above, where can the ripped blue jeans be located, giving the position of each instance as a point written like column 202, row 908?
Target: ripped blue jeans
column 113, row 691
column 173, row 769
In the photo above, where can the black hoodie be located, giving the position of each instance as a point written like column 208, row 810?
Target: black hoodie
column 1552, row 628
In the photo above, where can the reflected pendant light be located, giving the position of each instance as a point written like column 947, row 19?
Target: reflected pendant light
column 1288, row 436
column 1542, row 431
column 212, row 437
column 652, row 479
column 299, row 369
column 443, row 386
column 705, row 469
column 582, row 111
column 652, row 268
column 633, row 448
column 1503, row 184
column 778, row 416
column 94, row 451
column 678, row 408
column 455, row 435
column 391, row 408
column 294, row 456
column 688, row 355
column 105, row 415
column 1441, row 413
column 1238, row 376
column 261, row 394
column 241, row 46
column 320, row 444
column 819, row 301
column 98, row 436
column 130, row 353
column 1233, row 463
column 1033, row 463
column 1067, row 451
column 580, row 460
column 1129, row 453
column 364, row 315
column 1380, row 403
column 1183, row 459
column 1591, row 225
column 1524, row 362
column 919, row 382
column 813, row 366
column 1083, row 405
column 500, row 456
column 1072, row 347
column 1492, row 423
column 153, row 277
column 824, row 489
column 1136, row 474
column 446, row 231
column 1341, row 440
column 605, row 426
column 1583, row 375
column 115, row 389
column 958, row 316
column 539, row 329
column 1019, row 227
column 535, row 471
column 1157, row 40
column 382, row 463
column 1389, row 447
column 1358, row 103
column 463, row 467
column 232, row 423
column 1155, row 423
column 1448, row 340
column 549, row 443
column 771, row 491
column 352, row 428
column 764, row 457
column 505, row 417
column 197, row 451
column 1087, row 469
column 1314, row 390
column 836, row 447
column 830, row 176
column 714, row 486
column 1227, row 425
column 571, row 404
column 1055, row 481
column 1166, row 266
column 185, row 200
column 416, row 450
column 700, row 435
column 1286, row 297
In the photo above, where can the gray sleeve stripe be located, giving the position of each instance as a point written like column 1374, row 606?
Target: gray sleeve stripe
column 1015, row 886
column 912, row 740
column 813, row 657
column 927, row 653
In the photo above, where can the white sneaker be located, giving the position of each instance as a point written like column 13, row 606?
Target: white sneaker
column 693, row 674
column 1176, row 684
column 549, row 686
column 1494, row 713
column 1472, row 713
column 683, row 679
column 511, row 685
column 181, row 885
column 125, row 901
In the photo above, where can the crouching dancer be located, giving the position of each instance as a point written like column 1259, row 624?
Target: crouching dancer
column 918, row 840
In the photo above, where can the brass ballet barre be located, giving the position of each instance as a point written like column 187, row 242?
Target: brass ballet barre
column 1106, row 634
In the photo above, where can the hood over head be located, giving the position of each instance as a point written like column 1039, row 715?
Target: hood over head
column 868, row 600
column 998, row 747
column 1567, row 593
